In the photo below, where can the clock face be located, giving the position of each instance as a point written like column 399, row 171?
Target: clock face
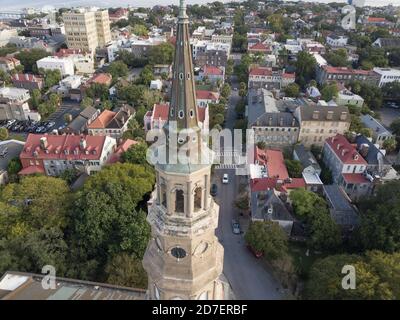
column 178, row 253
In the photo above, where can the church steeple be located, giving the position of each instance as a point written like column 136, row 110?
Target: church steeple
column 183, row 95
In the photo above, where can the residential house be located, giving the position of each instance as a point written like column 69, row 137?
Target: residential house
column 345, row 98
column 112, row 123
column 344, row 75
column 27, row 81
column 378, row 166
column 212, row 73
column 379, row 132
column 53, row 154
column 311, row 168
column 80, row 123
column 348, row 167
column 387, row 43
column 67, row 84
column 317, row 123
column 156, row 84
column 387, row 75
column 83, row 60
column 204, row 97
column 337, row 40
column 269, row 78
column 341, row 209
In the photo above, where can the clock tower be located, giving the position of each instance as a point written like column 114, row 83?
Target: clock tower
column 184, row 258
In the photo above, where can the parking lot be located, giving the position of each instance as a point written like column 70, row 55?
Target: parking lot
column 28, row 126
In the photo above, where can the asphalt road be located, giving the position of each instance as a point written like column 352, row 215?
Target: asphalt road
column 247, row 275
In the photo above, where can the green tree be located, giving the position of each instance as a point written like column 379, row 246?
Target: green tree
column 124, row 270
column 36, row 98
column 226, row 90
column 161, row 54
column 313, row 210
column 136, row 154
column 140, row 30
column 28, row 58
column 292, row 90
column 329, row 92
column 51, row 77
column 294, row 167
column 305, row 68
column 87, row 102
column 146, row 75
column 118, row 69
column 338, row 58
column 267, row 237
column 98, row 91
column 3, row 134
column 390, row 144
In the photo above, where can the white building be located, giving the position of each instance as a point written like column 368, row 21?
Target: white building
column 156, row 84
column 14, row 105
column 65, row 65
column 387, row 75
column 68, row 83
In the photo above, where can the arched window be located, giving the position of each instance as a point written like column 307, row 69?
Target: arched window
column 164, row 195
column 179, row 201
column 197, row 198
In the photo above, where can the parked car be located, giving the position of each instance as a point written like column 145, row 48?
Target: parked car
column 256, row 253
column 214, row 190
column 235, row 227
column 225, row 178
column 392, row 105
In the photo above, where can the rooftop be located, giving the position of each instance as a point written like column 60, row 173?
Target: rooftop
column 28, row 286
column 344, row 150
column 374, row 124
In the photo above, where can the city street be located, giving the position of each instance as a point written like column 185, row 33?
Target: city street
column 247, row 275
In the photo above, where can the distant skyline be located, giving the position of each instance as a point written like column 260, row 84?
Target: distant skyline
column 19, row 4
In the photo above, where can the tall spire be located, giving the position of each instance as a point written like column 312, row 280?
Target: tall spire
column 183, row 95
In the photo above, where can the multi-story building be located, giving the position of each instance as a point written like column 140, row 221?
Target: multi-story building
column 14, row 105
column 53, row 154
column 83, row 60
column 344, row 75
column 317, row 123
column 64, row 65
column 348, row 167
column 269, row 78
column 110, row 123
column 205, row 97
column 222, row 38
column 80, row 123
column 276, row 129
column 210, row 53
column 387, row 75
column 337, row 41
column 214, row 74
column 346, row 97
column 6, row 34
column 27, row 81
column 87, row 30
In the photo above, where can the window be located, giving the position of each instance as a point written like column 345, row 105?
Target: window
column 179, row 201
column 164, row 195
column 178, row 252
column 197, row 198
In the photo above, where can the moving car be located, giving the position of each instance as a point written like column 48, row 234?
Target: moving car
column 214, row 190
column 235, row 227
column 225, row 178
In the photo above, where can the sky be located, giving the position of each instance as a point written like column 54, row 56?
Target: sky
column 12, row 5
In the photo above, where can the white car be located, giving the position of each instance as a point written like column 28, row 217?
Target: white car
column 225, row 178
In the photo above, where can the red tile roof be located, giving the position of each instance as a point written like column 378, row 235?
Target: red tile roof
column 116, row 156
column 68, row 52
column 26, row 77
column 376, row 19
column 345, row 70
column 211, row 70
column 207, row 95
column 31, row 170
column 355, row 178
column 344, row 150
column 259, row 47
column 274, row 161
column 263, row 184
column 101, row 78
column 102, row 120
column 289, row 75
column 160, row 111
column 57, row 145
column 260, row 71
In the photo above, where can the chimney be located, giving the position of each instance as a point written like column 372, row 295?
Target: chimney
column 343, row 116
column 344, row 151
column 364, row 148
column 315, row 115
column 82, row 143
column 43, row 143
column 329, row 115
